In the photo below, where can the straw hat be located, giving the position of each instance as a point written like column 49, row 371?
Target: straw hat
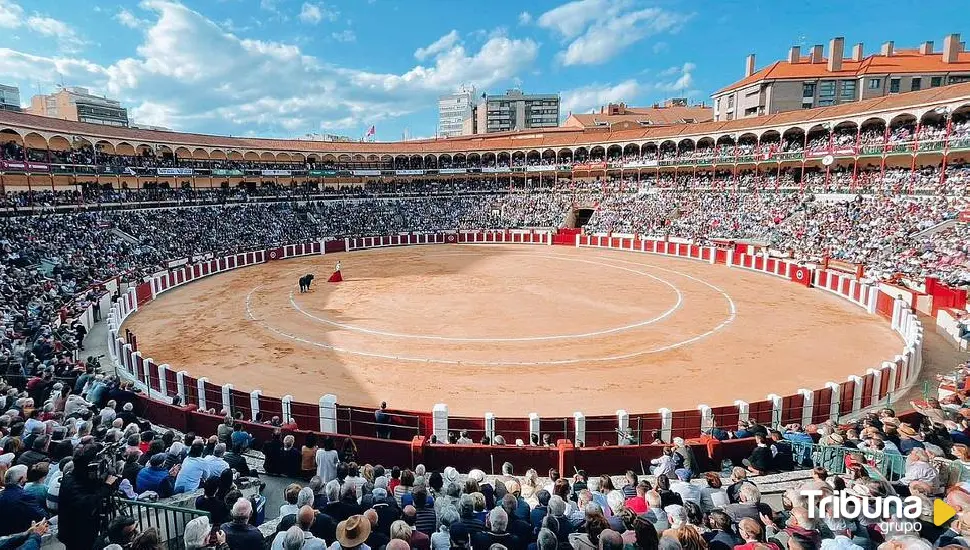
column 907, row 430
column 353, row 531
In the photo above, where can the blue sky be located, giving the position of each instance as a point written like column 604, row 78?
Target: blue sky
column 285, row 68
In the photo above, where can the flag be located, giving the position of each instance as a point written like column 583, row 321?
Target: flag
column 370, row 131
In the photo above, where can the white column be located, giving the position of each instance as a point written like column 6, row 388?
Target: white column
column 347, row 244
column 713, row 259
column 323, row 246
column 852, row 285
column 707, row 417
column 856, row 393
column 533, row 425
column 622, row 423
column 730, row 258
column 744, row 410
column 328, row 413
column 775, row 408
column 180, row 386
column 254, row 403
column 489, row 425
column 836, row 401
column 873, row 298
column 227, row 397
column 439, row 422
column 579, row 423
column 893, row 368
column 200, row 389
column 126, row 359
column 287, row 408
column 666, row 424
column 163, row 379
column 898, row 305
column 808, row 405
column 135, row 355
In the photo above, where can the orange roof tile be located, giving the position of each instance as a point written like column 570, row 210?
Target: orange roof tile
column 901, row 62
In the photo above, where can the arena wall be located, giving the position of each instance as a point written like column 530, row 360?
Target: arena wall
column 582, row 440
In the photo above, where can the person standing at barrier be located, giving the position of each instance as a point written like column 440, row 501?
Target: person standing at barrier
column 383, row 421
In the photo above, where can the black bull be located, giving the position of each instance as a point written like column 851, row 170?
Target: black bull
column 305, row 282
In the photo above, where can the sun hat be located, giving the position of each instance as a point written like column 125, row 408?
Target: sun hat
column 477, row 475
column 353, row 531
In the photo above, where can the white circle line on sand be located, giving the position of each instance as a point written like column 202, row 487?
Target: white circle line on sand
column 406, row 358
column 670, row 311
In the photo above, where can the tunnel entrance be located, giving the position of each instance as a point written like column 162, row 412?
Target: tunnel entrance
column 581, row 217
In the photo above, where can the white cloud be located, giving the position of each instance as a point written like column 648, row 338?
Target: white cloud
column 129, row 19
column 586, row 98
column 678, row 78
column 446, row 42
column 11, row 15
column 661, row 47
column 346, row 35
column 525, row 18
column 315, row 13
column 598, row 30
column 269, row 88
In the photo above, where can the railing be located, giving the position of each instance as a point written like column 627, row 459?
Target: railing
column 170, row 521
column 888, row 466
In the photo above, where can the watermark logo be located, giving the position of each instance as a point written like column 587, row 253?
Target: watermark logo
column 891, row 513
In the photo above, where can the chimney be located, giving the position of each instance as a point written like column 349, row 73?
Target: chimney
column 951, row 48
column 836, row 51
column 795, row 55
column 816, row 56
column 926, row 48
column 749, row 66
column 857, row 52
column 887, row 49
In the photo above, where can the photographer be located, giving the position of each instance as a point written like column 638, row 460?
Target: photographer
column 83, row 494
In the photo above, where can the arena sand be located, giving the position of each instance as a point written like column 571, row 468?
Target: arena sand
column 512, row 330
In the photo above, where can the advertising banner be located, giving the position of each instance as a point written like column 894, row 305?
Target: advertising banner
column 226, row 173
column 24, row 166
column 496, row 170
column 409, row 172
column 366, row 172
column 452, row 171
column 174, row 171
column 276, row 173
column 323, row 173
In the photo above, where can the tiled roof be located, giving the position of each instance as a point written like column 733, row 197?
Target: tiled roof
column 657, row 116
column 551, row 138
column 901, row 62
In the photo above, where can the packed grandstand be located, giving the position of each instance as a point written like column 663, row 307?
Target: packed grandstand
column 881, row 186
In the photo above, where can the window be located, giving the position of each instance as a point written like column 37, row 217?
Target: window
column 875, row 83
column 936, row 82
column 849, row 89
column 917, row 84
column 808, row 89
column 825, row 102
column 826, row 88
column 894, row 86
column 958, row 79
column 730, row 102
column 751, row 111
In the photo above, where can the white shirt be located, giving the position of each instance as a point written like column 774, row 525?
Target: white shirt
column 326, row 465
column 686, row 490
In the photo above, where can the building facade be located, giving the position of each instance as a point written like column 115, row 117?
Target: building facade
column 78, row 104
column 517, row 111
column 805, row 82
column 9, row 98
column 456, row 113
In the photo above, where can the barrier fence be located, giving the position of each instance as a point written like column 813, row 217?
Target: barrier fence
column 877, row 386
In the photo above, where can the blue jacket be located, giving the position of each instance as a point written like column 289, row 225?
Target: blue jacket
column 155, row 479
column 17, row 510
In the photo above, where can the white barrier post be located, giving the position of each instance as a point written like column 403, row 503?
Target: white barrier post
column 135, row 355
column 163, row 379
column 254, row 404
column 836, row 400
column 897, row 313
column 489, row 425
column 666, row 424
column 533, row 426
column 775, row 409
column 893, row 368
column 622, row 424
column 328, row 413
column 200, row 387
column 439, row 422
column 873, row 299
column 180, row 386
column 856, row 392
column 707, row 417
column 744, row 410
column 579, row 423
column 287, row 403
column 808, row 405
column 227, row 398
